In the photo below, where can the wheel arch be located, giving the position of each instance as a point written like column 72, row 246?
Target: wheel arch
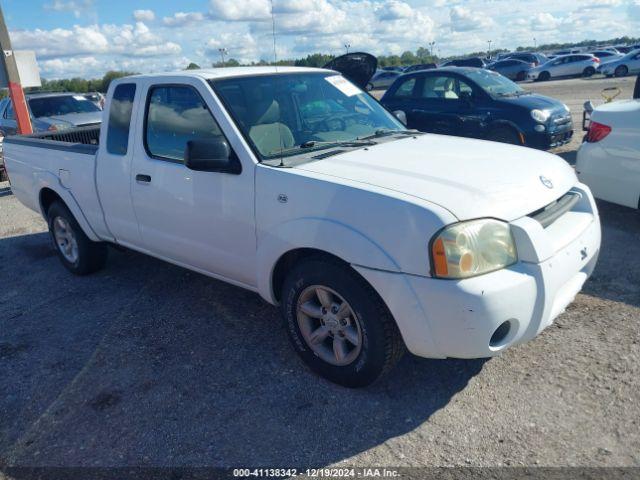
column 302, row 238
column 505, row 124
column 48, row 195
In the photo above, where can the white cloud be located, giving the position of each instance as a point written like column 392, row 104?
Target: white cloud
column 395, row 10
column 465, row 20
column 77, row 7
column 241, row 10
column 181, row 19
column 144, row 15
column 544, row 21
column 633, row 10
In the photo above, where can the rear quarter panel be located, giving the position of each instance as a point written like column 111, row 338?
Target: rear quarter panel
column 69, row 174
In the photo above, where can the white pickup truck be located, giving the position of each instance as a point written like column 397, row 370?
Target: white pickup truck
column 296, row 184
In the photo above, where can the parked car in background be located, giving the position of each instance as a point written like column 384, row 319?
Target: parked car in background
column 574, row 65
column 534, row 58
column 479, row 103
column 392, row 69
column 630, row 63
column 606, row 55
column 382, row 79
column 373, row 239
column 560, row 53
column 511, row 68
column 466, row 62
column 52, row 112
column 420, row 66
column 609, row 158
column 96, row 97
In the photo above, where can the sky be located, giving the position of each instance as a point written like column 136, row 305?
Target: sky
column 86, row 38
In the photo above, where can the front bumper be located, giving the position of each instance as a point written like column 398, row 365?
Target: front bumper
column 458, row 318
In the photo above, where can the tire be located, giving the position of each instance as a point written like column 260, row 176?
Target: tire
column 621, row 71
column 368, row 321
column 521, row 76
column 589, row 72
column 77, row 253
column 504, row 135
column 544, row 76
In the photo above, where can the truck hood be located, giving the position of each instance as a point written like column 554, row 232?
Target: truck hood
column 469, row 178
column 76, row 119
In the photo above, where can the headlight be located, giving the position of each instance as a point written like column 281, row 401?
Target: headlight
column 540, row 115
column 472, row 248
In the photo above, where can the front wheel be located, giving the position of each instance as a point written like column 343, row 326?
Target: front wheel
column 621, row 71
column 544, row 76
column 589, row 72
column 504, row 135
column 521, row 76
column 76, row 251
column 338, row 324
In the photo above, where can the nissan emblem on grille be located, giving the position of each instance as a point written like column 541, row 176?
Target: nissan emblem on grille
column 546, row 182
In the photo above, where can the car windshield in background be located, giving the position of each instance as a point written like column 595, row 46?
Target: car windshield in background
column 495, row 84
column 61, row 105
column 290, row 114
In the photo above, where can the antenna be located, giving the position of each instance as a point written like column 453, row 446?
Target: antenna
column 275, row 64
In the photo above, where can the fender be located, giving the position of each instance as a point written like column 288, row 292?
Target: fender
column 327, row 235
column 43, row 179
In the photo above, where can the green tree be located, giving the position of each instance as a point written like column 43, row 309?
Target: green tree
column 193, row 66
column 110, row 76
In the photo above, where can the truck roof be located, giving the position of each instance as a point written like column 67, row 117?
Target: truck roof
column 211, row 73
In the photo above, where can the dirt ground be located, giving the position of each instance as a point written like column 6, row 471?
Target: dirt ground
column 147, row 364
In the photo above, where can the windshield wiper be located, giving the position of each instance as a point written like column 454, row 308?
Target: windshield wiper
column 315, row 144
column 386, row 132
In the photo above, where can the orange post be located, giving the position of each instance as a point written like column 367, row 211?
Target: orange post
column 15, row 89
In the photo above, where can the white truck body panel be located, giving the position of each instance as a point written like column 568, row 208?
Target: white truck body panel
column 376, row 208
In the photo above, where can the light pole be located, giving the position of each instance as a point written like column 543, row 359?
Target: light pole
column 489, row 52
column 223, row 52
column 535, row 43
column 347, row 46
column 431, row 44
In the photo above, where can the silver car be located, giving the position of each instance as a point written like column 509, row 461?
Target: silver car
column 51, row 112
column 573, row 65
column 382, row 79
column 620, row 67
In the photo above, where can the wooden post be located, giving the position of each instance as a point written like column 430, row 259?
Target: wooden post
column 13, row 78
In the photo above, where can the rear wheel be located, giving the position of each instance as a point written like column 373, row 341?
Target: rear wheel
column 621, row 71
column 588, row 72
column 504, row 135
column 520, row 76
column 544, row 76
column 77, row 253
column 338, row 324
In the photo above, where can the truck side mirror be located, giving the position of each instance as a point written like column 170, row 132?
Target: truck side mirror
column 213, row 155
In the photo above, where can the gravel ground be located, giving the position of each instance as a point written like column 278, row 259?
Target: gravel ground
column 148, row 364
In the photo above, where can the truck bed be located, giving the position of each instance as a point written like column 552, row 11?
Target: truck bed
column 66, row 158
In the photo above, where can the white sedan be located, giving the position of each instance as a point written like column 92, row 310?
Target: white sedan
column 574, row 65
column 609, row 159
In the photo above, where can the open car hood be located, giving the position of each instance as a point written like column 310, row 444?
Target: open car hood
column 357, row 67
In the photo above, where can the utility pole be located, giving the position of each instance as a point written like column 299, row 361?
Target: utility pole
column 489, row 52
column 535, row 43
column 347, row 46
column 13, row 78
column 223, row 52
column 431, row 44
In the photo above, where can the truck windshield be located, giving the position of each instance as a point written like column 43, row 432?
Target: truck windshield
column 495, row 84
column 291, row 113
column 60, row 105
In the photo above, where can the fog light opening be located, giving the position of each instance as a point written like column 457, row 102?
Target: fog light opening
column 500, row 334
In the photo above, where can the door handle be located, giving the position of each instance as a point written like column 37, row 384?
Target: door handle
column 143, row 178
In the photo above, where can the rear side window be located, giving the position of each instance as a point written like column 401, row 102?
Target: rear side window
column 120, row 118
column 406, row 89
column 175, row 115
